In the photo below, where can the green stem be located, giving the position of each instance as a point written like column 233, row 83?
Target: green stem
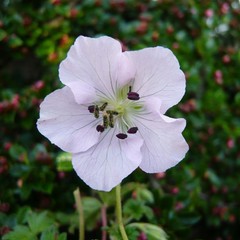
column 77, row 197
column 119, row 213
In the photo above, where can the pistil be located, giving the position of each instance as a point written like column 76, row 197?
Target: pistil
column 120, row 108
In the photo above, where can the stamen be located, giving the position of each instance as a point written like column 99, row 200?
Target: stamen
column 114, row 112
column 96, row 111
column 100, row 128
column 102, row 108
column 105, row 121
column 111, row 120
column 121, row 135
column 133, row 96
column 132, row 130
column 91, row 108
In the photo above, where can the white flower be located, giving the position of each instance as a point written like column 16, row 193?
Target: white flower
column 110, row 114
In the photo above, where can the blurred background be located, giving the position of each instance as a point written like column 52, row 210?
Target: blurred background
column 199, row 198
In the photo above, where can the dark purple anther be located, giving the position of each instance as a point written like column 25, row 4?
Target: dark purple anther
column 121, row 135
column 100, row 128
column 91, row 108
column 132, row 130
column 133, row 96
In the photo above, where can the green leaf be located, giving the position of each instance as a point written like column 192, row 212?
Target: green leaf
column 145, row 195
column 62, row 236
column 153, row 232
column 48, row 234
column 212, row 176
column 3, row 34
column 17, row 151
column 22, row 214
column 15, row 41
column 108, row 198
column 64, row 162
column 52, row 234
column 39, row 222
column 136, row 209
column 20, row 232
column 91, row 207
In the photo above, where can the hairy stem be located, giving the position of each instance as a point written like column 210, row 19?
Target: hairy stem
column 77, row 197
column 119, row 213
column 104, row 221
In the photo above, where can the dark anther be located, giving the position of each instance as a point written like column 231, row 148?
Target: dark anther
column 105, row 121
column 111, row 120
column 100, row 128
column 102, row 108
column 130, row 89
column 121, row 135
column 132, row 130
column 91, row 108
column 133, row 96
column 96, row 111
column 114, row 112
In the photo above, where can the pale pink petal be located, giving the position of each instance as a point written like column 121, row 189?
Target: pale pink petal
column 158, row 74
column 66, row 123
column 107, row 163
column 97, row 65
column 164, row 145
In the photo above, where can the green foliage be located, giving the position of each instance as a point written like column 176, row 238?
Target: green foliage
column 92, row 211
column 152, row 232
column 39, row 226
column 64, row 162
column 201, row 193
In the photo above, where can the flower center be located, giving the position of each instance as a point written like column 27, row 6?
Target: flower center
column 118, row 112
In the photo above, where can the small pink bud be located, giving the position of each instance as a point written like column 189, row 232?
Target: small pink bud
column 142, row 27
column 73, row 13
column 134, row 194
column 142, row 236
column 226, row 59
column 178, row 206
column 232, row 218
column 230, row 143
column 224, row 8
column 4, row 207
column 38, row 85
column 61, row 175
column 56, row 2
column 175, row 190
column 155, row 36
column 208, row 13
column 170, row 30
column 7, row 146
column 218, row 74
column 52, row 57
column 15, row 101
column 4, row 230
column 175, row 45
column 160, row 175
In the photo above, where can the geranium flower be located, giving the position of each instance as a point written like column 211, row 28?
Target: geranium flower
column 110, row 114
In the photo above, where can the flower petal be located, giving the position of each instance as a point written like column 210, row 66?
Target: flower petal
column 66, row 123
column 158, row 74
column 105, row 165
column 97, row 65
column 164, row 145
